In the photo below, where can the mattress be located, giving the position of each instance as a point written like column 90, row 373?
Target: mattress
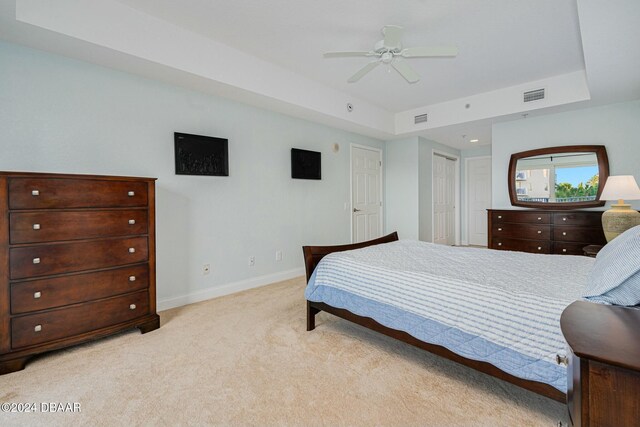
column 498, row 307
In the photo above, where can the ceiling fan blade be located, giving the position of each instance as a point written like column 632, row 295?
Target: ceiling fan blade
column 392, row 35
column 406, row 71
column 427, row 52
column 364, row 70
column 343, row 54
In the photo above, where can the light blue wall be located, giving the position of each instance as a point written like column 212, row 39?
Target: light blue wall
column 401, row 188
column 616, row 126
column 409, row 186
column 62, row 115
column 484, row 150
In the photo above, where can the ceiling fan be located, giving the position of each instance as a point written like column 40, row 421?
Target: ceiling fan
column 389, row 51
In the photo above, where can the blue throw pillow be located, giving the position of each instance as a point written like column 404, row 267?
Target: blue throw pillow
column 615, row 276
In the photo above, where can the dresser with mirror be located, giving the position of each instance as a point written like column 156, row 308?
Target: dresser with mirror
column 556, row 184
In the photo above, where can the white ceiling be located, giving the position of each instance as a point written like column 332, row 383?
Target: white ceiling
column 501, row 42
column 269, row 54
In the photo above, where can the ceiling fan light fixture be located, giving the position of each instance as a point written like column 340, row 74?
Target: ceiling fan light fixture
column 390, row 51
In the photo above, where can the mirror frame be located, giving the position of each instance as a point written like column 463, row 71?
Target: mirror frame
column 603, row 172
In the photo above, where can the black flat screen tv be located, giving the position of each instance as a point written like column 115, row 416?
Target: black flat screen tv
column 201, row 155
column 305, row 164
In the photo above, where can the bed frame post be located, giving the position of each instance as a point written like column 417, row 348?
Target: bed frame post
column 311, row 316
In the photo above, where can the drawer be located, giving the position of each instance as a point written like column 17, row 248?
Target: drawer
column 533, row 246
column 578, row 234
column 579, row 219
column 521, row 216
column 62, row 323
column 522, row 231
column 60, row 291
column 39, row 193
column 43, row 260
column 568, row 248
column 35, row 227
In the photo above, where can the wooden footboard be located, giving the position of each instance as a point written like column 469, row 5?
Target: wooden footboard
column 313, row 255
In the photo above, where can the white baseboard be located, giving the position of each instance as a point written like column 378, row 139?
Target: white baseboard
column 229, row 288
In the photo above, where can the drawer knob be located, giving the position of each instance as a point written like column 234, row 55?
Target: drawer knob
column 564, row 218
column 132, row 250
column 539, row 248
column 499, row 229
column 562, row 360
column 132, row 306
column 539, row 231
column 36, row 226
column 37, row 328
column 539, row 218
column 37, row 295
column 564, row 233
column 132, row 278
column 131, row 193
column 132, row 222
column 499, row 244
column 499, row 216
column 36, row 260
column 35, row 193
column 564, row 250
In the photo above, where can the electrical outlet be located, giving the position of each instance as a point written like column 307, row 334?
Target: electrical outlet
column 206, row 269
column 278, row 255
column 252, row 261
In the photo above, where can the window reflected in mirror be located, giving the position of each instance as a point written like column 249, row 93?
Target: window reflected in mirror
column 562, row 178
column 558, row 177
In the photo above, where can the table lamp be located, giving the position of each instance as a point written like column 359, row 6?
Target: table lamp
column 620, row 217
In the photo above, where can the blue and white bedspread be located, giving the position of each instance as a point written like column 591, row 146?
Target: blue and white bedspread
column 498, row 307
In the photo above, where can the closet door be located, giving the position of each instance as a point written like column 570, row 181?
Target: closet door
column 444, row 195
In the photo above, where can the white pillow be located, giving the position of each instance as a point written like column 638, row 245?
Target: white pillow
column 615, row 276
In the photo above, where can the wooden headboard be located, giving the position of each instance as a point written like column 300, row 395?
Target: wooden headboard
column 313, row 254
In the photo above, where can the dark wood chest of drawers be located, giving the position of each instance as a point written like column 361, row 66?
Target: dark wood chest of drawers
column 77, row 261
column 545, row 232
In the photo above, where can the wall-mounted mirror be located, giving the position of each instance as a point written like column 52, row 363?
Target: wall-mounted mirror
column 566, row 177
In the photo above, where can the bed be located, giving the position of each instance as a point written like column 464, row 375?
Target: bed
column 495, row 311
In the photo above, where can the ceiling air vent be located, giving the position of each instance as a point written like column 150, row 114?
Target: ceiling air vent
column 422, row 118
column 533, row 95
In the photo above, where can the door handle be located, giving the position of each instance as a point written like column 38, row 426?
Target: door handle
column 357, row 210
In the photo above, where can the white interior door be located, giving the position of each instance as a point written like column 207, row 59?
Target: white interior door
column 478, row 199
column 444, row 196
column 366, row 194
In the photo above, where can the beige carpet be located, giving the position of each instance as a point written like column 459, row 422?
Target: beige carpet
column 246, row 359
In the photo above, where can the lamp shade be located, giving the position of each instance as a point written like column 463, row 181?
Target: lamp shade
column 621, row 187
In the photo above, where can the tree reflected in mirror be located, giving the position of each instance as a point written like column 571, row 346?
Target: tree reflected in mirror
column 558, row 177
